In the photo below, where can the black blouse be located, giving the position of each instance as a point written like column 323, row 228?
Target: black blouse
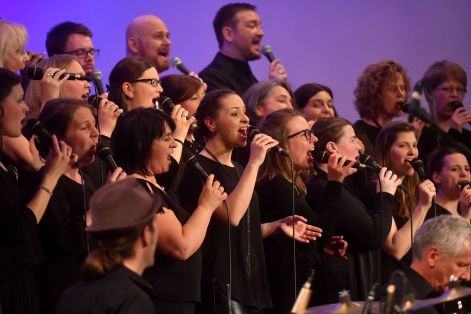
column 249, row 277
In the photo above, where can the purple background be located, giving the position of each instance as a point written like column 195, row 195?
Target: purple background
column 329, row 42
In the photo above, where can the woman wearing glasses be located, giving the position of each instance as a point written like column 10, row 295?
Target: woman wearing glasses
column 274, row 188
column 444, row 85
column 223, row 123
column 135, row 83
column 342, row 213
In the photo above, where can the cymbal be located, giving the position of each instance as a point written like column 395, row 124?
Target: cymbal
column 343, row 308
column 448, row 295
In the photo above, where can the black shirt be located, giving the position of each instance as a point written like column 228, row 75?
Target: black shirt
column 249, row 277
column 227, row 73
column 119, row 292
column 367, row 134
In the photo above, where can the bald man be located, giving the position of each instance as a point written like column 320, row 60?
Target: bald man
column 147, row 36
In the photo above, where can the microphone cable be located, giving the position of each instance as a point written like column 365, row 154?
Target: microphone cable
column 293, row 213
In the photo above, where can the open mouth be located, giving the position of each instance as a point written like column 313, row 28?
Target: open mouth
column 243, row 132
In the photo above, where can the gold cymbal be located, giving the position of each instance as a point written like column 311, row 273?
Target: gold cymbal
column 448, row 295
column 343, row 308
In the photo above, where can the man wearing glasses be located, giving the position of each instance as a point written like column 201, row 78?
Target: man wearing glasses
column 74, row 39
column 444, row 85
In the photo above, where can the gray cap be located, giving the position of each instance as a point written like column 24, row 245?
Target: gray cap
column 122, row 204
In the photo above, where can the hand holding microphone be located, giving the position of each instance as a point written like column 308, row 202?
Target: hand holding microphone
column 276, row 70
column 465, row 199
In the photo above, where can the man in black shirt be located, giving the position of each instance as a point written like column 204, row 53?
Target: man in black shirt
column 239, row 33
column 441, row 249
column 122, row 221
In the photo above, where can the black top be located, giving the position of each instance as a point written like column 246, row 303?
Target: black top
column 20, row 250
column 119, row 292
column 174, row 280
column 367, row 134
column 19, row 244
column 249, row 278
column 63, row 237
column 276, row 203
column 364, row 227
column 430, row 141
column 227, row 73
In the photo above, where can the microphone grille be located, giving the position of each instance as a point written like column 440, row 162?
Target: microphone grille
column 97, row 74
column 266, row 49
column 102, row 150
column 176, row 61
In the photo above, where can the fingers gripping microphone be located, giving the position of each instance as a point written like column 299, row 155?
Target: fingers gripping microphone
column 455, row 105
column 105, row 154
column 323, row 157
column 418, row 166
column 268, row 52
column 252, row 131
column 37, row 73
column 178, row 64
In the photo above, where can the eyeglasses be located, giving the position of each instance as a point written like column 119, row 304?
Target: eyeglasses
column 83, row 53
column 307, row 134
column 152, row 81
column 450, row 90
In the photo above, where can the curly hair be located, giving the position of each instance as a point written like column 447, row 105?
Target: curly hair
column 368, row 96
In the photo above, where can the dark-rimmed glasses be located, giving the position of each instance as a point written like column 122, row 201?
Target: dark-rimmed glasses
column 152, row 81
column 307, row 134
column 449, row 90
column 83, row 52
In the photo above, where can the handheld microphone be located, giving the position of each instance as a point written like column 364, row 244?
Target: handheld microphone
column 368, row 161
column 455, row 105
column 252, row 131
column 94, row 100
column 37, row 73
column 268, row 53
column 323, row 157
column 463, row 184
column 193, row 162
column 166, row 104
column 105, row 154
column 304, row 296
column 34, row 126
column 178, row 64
column 96, row 78
column 418, row 166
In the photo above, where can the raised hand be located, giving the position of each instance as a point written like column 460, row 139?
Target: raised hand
column 303, row 232
column 212, row 194
column 276, row 71
column 261, row 143
column 336, row 171
column 389, row 181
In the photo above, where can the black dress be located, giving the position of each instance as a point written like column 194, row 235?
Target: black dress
column 249, row 277
column 63, row 239
column 20, row 250
column 364, row 228
column 119, row 292
column 276, row 203
column 177, row 284
column 227, row 73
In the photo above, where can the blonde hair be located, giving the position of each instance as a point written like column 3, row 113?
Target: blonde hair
column 13, row 37
column 34, row 93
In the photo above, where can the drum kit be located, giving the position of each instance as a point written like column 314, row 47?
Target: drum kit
column 347, row 306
